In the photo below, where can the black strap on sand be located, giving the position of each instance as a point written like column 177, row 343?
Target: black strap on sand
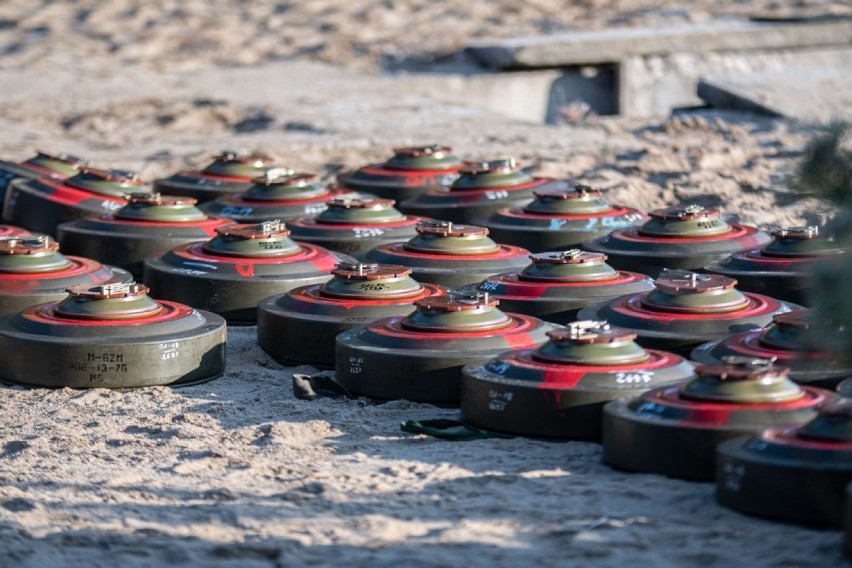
column 448, row 429
column 312, row 387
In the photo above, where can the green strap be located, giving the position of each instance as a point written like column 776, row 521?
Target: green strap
column 447, row 429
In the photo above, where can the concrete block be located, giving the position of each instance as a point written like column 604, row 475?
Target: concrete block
column 812, row 95
column 654, row 84
column 543, row 96
column 614, row 45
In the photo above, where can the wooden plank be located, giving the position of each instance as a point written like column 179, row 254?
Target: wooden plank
column 614, row 44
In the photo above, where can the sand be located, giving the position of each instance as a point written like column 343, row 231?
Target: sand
column 237, row 472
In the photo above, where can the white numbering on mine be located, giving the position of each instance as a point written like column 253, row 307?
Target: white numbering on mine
column 634, row 378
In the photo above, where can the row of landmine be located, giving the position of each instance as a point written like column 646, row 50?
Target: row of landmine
column 471, row 315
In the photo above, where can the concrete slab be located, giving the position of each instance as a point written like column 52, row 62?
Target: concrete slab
column 807, row 94
column 543, row 96
column 614, row 45
column 655, row 84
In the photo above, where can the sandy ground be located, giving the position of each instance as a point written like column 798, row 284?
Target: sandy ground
column 237, row 472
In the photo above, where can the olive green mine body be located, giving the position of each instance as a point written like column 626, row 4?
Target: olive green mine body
column 790, row 341
column 798, row 475
column 407, row 174
column 150, row 224
column 674, row 431
column 33, row 271
column 558, row 219
column 784, row 267
column 686, row 309
column 450, row 255
column 481, row 189
column 420, row 356
column 681, row 238
column 557, row 285
column 232, row 272
column 229, row 172
column 355, row 225
column 41, row 204
column 91, row 339
column 558, row 390
column 300, row 326
column 58, row 166
column 277, row 194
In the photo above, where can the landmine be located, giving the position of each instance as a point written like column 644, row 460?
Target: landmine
column 783, row 268
column 114, row 336
column 33, row 271
column 558, row 390
column 229, row 172
column 686, row 309
column 674, row 430
column 277, row 194
column 557, row 285
column 354, row 225
column 149, row 224
column 482, row 188
column 420, row 356
column 791, row 340
column 58, row 166
column 678, row 237
column 794, row 474
column 41, row 204
column 407, row 174
column 300, row 326
column 450, row 254
column 241, row 265
column 559, row 219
